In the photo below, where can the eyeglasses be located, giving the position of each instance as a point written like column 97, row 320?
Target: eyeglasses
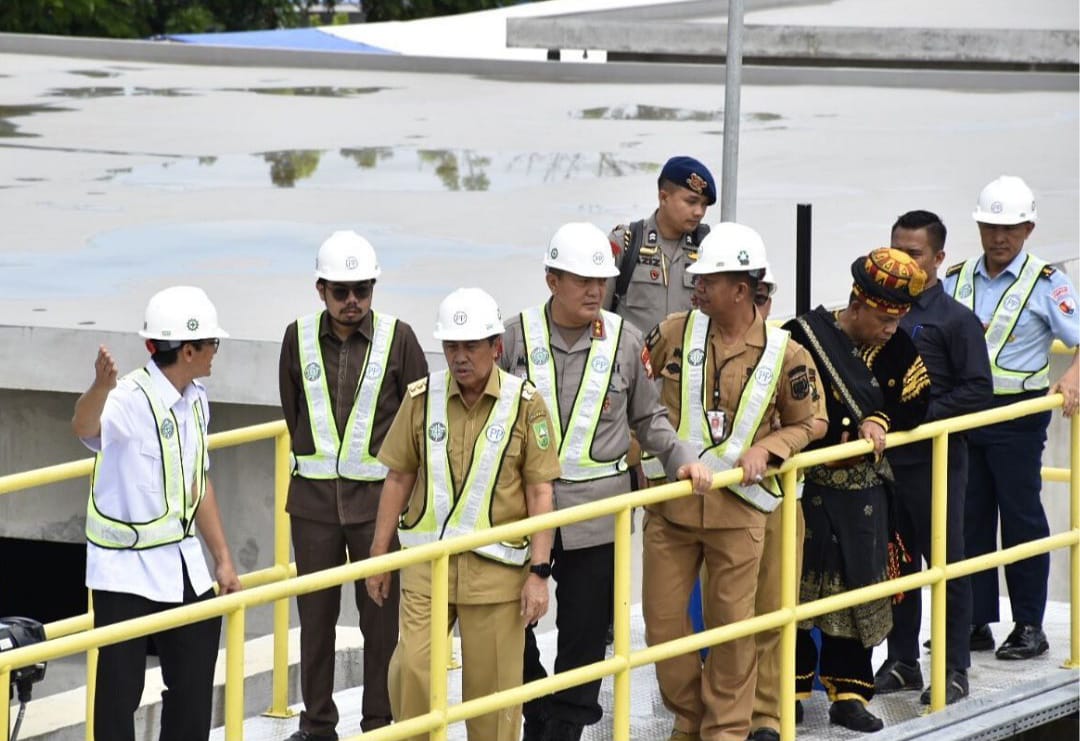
column 214, row 342
column 341, row 291
column 760, row 299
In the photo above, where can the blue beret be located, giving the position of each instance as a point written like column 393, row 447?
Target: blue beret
column 691, row 174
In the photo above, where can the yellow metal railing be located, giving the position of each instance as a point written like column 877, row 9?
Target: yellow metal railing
column 273, row 585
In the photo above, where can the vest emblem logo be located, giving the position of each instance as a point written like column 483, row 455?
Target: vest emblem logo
column 1012, row 303
column 600, row 364
column 539, row 356
column 374, row 370
column 436, row 432
column 965, row 291
column 168, row 429
column 763, row 376
column 312, row 371
column 495, row 433
column 696, row 357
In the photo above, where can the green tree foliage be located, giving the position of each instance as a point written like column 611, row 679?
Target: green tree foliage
column 401, row 10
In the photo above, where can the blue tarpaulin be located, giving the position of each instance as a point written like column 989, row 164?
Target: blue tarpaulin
column 310, row 39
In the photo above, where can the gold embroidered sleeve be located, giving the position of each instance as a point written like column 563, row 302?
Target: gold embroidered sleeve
column 915, row 380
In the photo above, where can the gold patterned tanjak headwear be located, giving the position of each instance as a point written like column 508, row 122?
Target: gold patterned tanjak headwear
column 888, row 279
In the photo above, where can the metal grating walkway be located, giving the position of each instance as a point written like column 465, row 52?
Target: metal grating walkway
column 1006, row 697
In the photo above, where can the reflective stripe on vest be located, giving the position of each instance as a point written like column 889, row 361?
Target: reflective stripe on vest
column 575, row 445
column 178, row 519
column 449, row 512
column 757, row 392
column 351, row 458
column 1001, row 325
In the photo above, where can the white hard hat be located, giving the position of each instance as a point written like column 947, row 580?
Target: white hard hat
column 728, row 248
column 468, row 314
column 346, row 257
column 181, row 313
column 1007, row 200
column 769, row 279
column 582, row 249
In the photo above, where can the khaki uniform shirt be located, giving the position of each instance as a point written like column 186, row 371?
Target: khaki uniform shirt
column 632, row 402
column 530, row 459
column 343, row 501
column 796, row 403
column 659, row 284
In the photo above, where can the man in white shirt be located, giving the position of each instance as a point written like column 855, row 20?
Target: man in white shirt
column 149, row 492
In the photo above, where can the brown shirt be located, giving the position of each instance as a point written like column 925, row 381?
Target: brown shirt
column 342, row 500
column 796, row 403
column 530, row 458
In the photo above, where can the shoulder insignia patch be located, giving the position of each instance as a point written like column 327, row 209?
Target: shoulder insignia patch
column 625, row 235
column 652, row 337
column 418, row 387
column 954, row 269
column 1047, row 272
column 528, row 391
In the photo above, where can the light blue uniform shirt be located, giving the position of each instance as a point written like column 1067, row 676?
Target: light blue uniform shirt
column 1051, row 312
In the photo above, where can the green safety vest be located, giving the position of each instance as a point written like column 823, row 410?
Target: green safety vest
column 178, row 520
column 575, row 443
column 350, row 458
column 758, row 391
column 449, row 512
column 1001, row 325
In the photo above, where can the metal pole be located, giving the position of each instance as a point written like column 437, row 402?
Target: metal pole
column 732, row 97
column 802, row 258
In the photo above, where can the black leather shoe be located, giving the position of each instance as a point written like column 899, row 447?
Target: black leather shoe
column 897, row 676
column 981, row 639
column 308, row 736
column 854, row 715
column 1025, row 642
column 764, row 734
column 557, row 729
column 956, row 687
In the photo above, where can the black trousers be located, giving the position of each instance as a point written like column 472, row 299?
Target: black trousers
column 845, row 667
column 913, row 494
column 584, row 593
column 187, row 656
column 318, row 546
column 1005, row 475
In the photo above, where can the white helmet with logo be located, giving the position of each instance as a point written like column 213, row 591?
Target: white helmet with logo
column 181, row 313
column 582, row 249
column 769, row 279
column 1007, row 200
column 346, row 257
column 728, row 248
column 468, row 314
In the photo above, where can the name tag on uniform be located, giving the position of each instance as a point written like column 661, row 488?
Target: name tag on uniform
column 717, row 422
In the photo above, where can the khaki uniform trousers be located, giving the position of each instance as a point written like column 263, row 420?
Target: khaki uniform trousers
column 715, row 700
column 767, row 693
column 492, row 651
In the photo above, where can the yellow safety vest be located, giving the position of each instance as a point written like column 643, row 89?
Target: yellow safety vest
column 1001, row 325
column 350, row 458
column 575, row 444
column 178, row 519
column 447, row 512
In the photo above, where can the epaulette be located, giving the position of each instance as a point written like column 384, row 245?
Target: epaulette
column 528, row 391
column 1048, row 272
column 417, row 387
column 954, row 269
column 625, row 235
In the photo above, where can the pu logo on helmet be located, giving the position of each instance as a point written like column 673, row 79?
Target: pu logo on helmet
column 312, row 371
column 598, row 258
column 744, row 257
column 495, row 433
column 696, row 357
column 460, row 317
column 554, row 253
column 996, row 207
column 168, row 429
column 436, row 432
column 351, row 263
column 539, row 356
column 192, row 324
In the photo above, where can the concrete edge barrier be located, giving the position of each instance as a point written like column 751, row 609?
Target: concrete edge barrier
column 1033, row 48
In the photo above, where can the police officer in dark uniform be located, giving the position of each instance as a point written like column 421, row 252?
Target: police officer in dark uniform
column 949, row 338
column 652, row 254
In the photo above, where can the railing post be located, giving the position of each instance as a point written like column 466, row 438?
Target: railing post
column 91, row 673
column 234, row 675
column 279, row 701
column 939, row 500
column 440, row 619
column 1074, row 549
column 5, row 707
column 788, row 600
column 621, row 623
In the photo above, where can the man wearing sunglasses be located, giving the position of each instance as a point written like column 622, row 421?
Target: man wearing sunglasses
column 343, row 373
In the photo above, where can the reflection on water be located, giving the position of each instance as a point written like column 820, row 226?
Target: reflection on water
column 320, row 91
column 10, row 130
column 662, row 113
column 115, row 91
column 380, row 168
column 92, row 73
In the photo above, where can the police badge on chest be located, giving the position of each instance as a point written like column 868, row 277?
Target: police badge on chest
column 717, row 420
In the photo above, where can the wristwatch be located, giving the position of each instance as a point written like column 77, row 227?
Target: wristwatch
column 543, row 570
